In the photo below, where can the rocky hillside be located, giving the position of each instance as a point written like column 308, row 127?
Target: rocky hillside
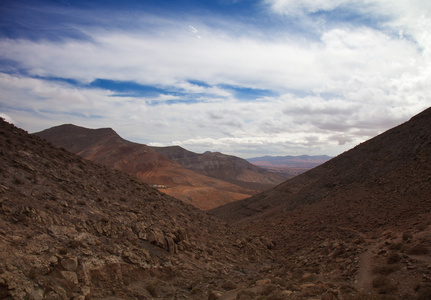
column 395, row 165
column 71, row 229
column 104, row 146
column 225, row 167
column 364, row 216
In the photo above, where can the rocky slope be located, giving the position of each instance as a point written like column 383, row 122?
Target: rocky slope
column 104, row 146
column 362, row 218
column 225, row 167
column 394, row 165
column 71, row 229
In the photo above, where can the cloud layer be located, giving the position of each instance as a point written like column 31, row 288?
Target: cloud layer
column 222, row 85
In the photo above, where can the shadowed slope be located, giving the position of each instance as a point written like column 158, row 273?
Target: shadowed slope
column 363, row 218
column 393, row 169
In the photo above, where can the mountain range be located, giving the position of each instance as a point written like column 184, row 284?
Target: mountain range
column 204, row 180
column 289, row 165
column 356, row 227
column 229, row 168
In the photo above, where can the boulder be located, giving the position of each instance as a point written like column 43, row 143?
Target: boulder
column 71, row 277
column 70, row 263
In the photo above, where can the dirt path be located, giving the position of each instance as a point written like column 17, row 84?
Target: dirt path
column 364, row 277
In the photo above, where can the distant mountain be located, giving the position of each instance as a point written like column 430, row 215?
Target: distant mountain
column 373, row 201
column 225, row 167
column 302, row 161
column 106, row 147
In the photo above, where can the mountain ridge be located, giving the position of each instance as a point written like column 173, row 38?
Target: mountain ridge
column 106, row 147
column 221, row 166
column 72, row 229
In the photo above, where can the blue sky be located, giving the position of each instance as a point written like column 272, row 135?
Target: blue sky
column 243, row 77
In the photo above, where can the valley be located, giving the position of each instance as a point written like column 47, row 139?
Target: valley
column 355, row 227
column 223, row 179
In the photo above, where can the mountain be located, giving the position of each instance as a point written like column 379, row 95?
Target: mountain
column 104, row 146
column 363, row 216
column 302, row 161
column 72, row 229
column 229, row 168
column 289, row 165
column 395, row 160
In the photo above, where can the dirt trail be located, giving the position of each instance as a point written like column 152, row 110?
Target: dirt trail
column 364, row 277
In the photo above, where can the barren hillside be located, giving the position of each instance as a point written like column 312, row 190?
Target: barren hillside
column 71, row 229
column 104, row 146
column 225, row 167
column 363, row 216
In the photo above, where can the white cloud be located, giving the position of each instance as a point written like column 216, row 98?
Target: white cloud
column 347, row 86
column 7, row 118
column 290, row 7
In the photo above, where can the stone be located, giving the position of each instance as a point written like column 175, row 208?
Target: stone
column 71, row 277
column 214, row 295
column 286, row 293
column 70, row 263
column 263, row 282
column 157, row 238
column 270, row 245
column 52, row 296
column 180, row 235
column 35, row 294
column 172, row 247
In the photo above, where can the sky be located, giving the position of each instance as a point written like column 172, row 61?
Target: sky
column 242, row 77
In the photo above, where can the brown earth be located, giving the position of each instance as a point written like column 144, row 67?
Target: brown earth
column 104, row 146
column 363, row 218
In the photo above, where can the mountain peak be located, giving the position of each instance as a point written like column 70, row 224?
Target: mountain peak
column 76, row 138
